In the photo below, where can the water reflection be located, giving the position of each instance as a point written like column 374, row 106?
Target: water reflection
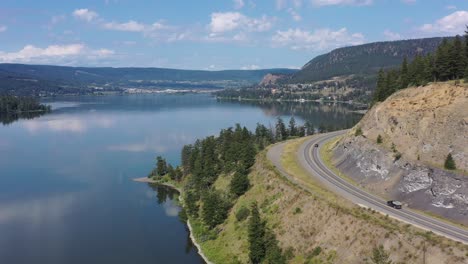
column 7, row 119
column 332, row 116
column 71, row 172
column 67, row 123
column 39, row 210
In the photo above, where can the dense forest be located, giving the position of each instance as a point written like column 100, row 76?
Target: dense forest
column 364, row 59
column 13, row 108
column 448, row 62
column 233, row 153
column 15, row 105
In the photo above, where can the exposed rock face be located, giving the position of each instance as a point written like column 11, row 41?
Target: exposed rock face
column 270, row 79
column 422, row 124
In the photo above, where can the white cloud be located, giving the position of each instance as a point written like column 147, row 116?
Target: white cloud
column 222, row 22
column 30, row 51
column 341, row 2
column 250, row 67
column 450, row 7
column 321, row 39
column 238, row 4
column 85, row 14
column 229, row 21
column 389, row 35
column 408, row 1
column 454, row 23
column 131, row 26
column 294, row 15
column 3, row 28
column 52, row 53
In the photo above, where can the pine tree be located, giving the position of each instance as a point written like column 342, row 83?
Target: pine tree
column 185, row 158
column 273, row 253
column 465, row 75
column 292, row 127
column 191, row 202
column 466, row 46
column 302, row 131
column 178, row 174
column 214, row 209
column 310, row 130
column 171, row 172
column 256, row 230
column 281, row 132
column 239, row 183
column 161, row 166
column 443, row 61
column 450, row 163
column 380, row 90
column 404, row 78
column 457, row 63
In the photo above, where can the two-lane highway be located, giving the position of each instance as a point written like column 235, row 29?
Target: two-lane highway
column 309, row 158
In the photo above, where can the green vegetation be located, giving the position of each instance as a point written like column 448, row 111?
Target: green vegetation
column 358, row 132
column 21, row 79
column 263, row 246
column 380, row 256
column 13, row 108
column 449, row 62
column 17, row 105
column 363, row 59
column 379, row 139
column 214, row 175
column 242, row 214
column 450, row 163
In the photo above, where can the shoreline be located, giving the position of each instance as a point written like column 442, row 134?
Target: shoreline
column 192, row 237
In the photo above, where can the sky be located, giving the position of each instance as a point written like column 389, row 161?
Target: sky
column 211, row 35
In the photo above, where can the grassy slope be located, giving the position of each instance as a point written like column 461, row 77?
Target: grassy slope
column 345, row 233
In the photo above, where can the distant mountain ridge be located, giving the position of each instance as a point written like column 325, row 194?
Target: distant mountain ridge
column 26, row 79
column 364, row 59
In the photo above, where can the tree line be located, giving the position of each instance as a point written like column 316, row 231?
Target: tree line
column 449, row 62
column 232, row 152
column 15, row 104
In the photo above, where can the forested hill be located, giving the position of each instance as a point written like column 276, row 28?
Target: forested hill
column 364, row 59
column 29, row 79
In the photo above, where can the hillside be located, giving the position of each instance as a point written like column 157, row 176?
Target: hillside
column 315, row 226
column 419, row 127
column 24, row 79
column 364, row 59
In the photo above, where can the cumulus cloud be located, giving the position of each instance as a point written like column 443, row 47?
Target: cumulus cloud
column 85, row 14
column 31, row 53
column 341, row 2
column 320, row 39
column 3, row 28
column 454, row 23
column 389, row 35
column 229, row 21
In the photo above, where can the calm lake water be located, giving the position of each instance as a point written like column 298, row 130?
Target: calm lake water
column 66, row 189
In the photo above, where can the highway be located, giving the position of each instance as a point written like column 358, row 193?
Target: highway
column 309, row 158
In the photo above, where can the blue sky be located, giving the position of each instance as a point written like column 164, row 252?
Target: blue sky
column 212, row 35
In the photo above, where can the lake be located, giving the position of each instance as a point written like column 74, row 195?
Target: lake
column 66, row 189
